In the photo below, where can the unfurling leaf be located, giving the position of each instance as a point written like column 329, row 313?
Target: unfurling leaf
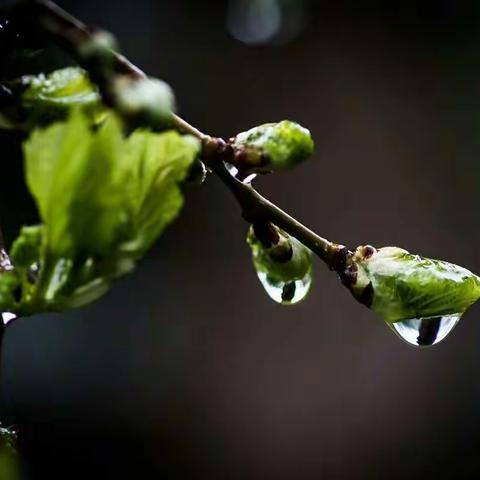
column 284, row 266
column 47, row 98
column 409, row 286
column 273, row 146
column 78, row 181
column 103, row 199
column 420, row 298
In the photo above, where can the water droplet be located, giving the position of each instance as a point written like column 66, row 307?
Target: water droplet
column 242, row 176
column 424, row 332
column 286, row 293
column 7, row 317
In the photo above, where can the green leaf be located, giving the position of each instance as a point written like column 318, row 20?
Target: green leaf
column 50, row 97
column 76, row 177
column 407, row 286
column 103, row 198
column 158, row 162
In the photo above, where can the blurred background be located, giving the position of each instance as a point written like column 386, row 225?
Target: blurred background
column 187, row 370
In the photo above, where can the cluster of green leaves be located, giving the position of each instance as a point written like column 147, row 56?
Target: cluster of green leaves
column 103, row 198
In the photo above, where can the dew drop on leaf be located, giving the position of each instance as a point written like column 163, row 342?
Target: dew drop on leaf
column 286, row 293
column 424, row 332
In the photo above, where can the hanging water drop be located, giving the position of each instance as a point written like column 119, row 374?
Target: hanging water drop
column 286, row 293
column 420, row 299
column 424, row 332
column 283, row 264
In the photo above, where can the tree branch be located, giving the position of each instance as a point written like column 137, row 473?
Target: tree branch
column 72, row 35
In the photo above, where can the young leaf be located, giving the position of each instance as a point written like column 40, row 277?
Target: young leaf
column 157, row 162
column 406, row 286
column 103, row 199
column 75, row 177
column 50, row 97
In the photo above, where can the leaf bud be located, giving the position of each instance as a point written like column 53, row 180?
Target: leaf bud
column 272, row 147
column 404, row 286
column 145, row 101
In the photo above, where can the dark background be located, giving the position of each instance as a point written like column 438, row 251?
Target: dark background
column 186, row 370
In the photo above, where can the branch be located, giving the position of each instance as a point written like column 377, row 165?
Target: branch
column 256, row 208
column 72, row 35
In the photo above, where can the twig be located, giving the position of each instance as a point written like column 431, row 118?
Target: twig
column 71, row 34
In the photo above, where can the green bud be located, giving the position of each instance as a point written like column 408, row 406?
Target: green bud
column 284, row 267
column 146, row 101
column 273, row 146
column 49, row 98
column 403, row 286
column 99, row 47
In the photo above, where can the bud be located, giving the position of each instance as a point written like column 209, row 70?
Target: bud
column 403, row 286
column 100, row 48
column 145, row 101
column 272, row 146
column 284, row 267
